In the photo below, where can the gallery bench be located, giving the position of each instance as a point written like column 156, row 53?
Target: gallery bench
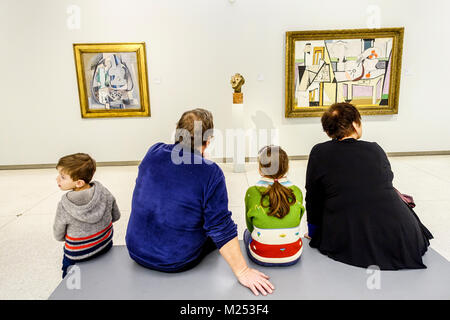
column 115, row 276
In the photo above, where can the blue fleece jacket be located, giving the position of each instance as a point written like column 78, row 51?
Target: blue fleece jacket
column 175, row 207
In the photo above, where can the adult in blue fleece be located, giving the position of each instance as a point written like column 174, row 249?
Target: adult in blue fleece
column 180, row 207
column 176, row 208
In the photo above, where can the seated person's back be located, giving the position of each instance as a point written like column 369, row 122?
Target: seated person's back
column 180, row 207
column 176, row 207
column 273, row 213
column 354, row 213
column 85, row 214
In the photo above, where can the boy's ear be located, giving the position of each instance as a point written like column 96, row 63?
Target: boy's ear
column 80, row 183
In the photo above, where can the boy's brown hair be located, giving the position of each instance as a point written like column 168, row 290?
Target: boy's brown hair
column 274, row 163
column 79, row 166
column 338, row 120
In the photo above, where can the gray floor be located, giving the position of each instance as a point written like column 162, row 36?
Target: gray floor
column 116, row 276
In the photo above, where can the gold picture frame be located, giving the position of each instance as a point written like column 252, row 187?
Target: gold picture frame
column 112, row 79
column 343, row 65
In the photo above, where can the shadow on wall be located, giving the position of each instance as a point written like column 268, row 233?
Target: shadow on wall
column 265, row 132
column 248, row 141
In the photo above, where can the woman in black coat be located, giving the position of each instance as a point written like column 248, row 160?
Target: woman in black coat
column 354, row 214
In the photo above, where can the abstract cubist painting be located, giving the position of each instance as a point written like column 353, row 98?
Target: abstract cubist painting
column 362, row 70
column 112, row 80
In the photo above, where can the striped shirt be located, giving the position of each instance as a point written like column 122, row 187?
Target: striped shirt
column 276, row 245
column 81, row 248
column 84, row 221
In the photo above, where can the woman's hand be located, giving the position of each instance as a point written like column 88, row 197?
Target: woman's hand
column 307, row 236
column 255, row 281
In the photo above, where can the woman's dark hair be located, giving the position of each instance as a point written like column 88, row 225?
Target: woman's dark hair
column 274, row 163
column 186, row 130
column 338, row 120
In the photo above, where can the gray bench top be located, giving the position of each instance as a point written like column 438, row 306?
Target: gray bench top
column 116, row 276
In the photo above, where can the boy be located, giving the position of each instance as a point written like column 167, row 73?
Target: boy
column 85, row 214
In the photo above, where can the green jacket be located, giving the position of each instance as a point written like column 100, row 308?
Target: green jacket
column 257, row 216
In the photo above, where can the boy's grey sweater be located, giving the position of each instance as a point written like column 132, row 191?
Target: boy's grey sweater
column 84, row 213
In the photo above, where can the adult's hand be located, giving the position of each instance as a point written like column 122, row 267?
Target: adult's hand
column 255, row 281
column 248, row 277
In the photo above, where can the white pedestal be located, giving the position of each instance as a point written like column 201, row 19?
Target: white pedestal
column 237, row 112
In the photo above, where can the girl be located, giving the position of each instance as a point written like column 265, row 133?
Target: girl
column 273, row 212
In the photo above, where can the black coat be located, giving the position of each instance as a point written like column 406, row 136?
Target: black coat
column 360, row 218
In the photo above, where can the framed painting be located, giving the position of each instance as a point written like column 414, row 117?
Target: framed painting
column 112, row 79
column 358, row 66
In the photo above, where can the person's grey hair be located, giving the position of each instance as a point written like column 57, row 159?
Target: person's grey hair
column 194, row 128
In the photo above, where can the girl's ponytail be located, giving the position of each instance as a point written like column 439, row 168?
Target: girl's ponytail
column 280, row 199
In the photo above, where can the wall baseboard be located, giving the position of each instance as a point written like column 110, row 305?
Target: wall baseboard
column 419, row 153
column 218, row 160
column 53, row 165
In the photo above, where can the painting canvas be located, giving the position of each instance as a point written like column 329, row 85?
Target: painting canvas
column 112, row 80
column 356, row 66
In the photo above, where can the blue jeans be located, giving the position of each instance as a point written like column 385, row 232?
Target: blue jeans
column 248, row 239
column 67, row 262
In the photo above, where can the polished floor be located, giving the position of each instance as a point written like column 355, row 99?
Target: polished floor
column 30, row 258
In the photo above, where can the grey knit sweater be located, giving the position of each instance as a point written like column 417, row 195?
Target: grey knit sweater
column 84, row 221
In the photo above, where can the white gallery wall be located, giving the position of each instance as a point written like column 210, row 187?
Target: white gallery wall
column 193, row 49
